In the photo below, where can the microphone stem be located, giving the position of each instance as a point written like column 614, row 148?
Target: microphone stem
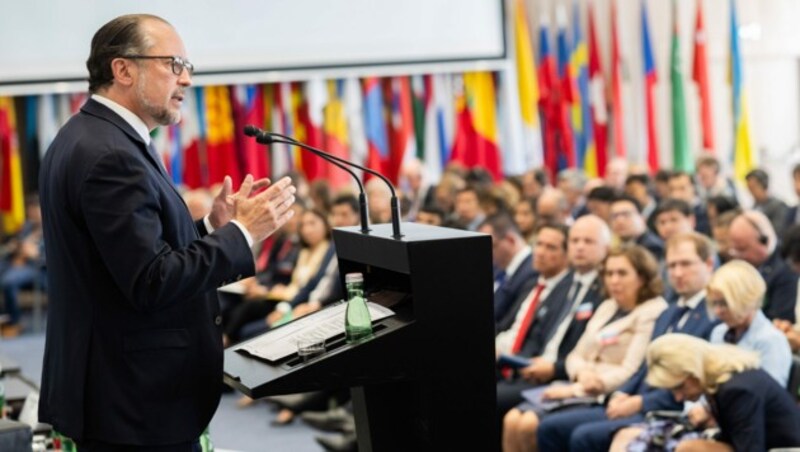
column 395, row 205
column 362, row 198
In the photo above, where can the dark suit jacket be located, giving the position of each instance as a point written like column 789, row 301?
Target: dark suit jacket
column 594, row 296
column 755, row 413
column 791, row 216
column 511, row 289
column 134, row 342
column 701, row 222
column 546, row 318
column 781, row 296
column 698, row 324
column 652, row 243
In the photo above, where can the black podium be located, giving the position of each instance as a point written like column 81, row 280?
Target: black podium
column 426, row 381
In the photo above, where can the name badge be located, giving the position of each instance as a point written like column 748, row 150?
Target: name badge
column 584, row 311
column 609, row 337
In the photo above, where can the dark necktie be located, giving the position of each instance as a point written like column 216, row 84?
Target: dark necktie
column 680, row 311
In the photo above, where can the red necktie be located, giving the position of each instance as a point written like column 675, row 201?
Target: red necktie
column 527, row 320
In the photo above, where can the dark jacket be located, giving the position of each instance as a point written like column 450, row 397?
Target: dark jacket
column 133, row 351
column 781, row 296
column 511, row 289
column 755, row 413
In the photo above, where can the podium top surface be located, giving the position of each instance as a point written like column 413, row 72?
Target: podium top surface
column 412, row 232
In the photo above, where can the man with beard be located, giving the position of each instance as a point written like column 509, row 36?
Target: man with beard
column 133, row 355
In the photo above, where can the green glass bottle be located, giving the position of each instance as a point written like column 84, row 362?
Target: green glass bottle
column 357, row 321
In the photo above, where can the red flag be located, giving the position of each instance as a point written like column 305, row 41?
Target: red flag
column 248, row 108
column 700, row 76
column 616, row 86
column 309, row 128
column 650, row 80
column 597, row 99
column 558, row 138
column 402, row 140
column 222, row 160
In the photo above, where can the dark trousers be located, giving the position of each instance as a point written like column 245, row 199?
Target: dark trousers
column 585, row 429
column 90, row 445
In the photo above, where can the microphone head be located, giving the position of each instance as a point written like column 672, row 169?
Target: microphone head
column 251, row 130
column 263, row 138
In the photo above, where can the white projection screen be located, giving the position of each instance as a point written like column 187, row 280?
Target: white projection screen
column 47, row 41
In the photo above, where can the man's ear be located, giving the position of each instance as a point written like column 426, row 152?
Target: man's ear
column 123, row 71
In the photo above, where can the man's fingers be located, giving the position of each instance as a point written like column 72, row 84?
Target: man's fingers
column 227, row 188
column 276, row 189
column 246, row 187
column 260, row 185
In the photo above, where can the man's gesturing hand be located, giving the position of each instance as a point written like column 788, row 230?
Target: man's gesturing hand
column 265, row 212
column 223, row 209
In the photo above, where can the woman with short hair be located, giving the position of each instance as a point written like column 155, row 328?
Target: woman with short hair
column 752, row 410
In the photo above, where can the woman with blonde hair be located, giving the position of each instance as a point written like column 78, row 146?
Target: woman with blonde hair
column 753, row 412
column 611, row 348
column 735, row 294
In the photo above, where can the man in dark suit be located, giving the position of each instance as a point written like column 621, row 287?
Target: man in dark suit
column 562, row 317
column 690, row 264
column 629, row 225
column 752, row 239
column 512, row 259
column 133, row 356
column 793, row 213
column 681, row 186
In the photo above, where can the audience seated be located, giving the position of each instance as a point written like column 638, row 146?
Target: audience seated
column 512, row 261
column 681, row 186
column 629, row 226
column 689, row 263
column 763, row 201
column 610, row 350
column 753, row 411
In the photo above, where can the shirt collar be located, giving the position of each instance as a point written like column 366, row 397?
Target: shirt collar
column 586, row 279
column 130, row 117
column 549, row 283
column 516, row 261
column 692, row 301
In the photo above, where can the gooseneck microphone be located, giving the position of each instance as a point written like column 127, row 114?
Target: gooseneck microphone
column 263, row 137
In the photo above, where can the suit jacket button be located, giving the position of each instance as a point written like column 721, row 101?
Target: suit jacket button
column 218, row 320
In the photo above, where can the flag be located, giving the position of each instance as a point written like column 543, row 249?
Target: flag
column 597, row 151
column 277, row 97
column 403, row 141
column 12, row 202
column 558, row 139
column 681, row 155
column 47, row 121
column 176, row 163
column 568, row 75
column 744, row 156
column 650, row 80
column 528, row 86
column 193, row 139
column 581, row 113
column 220, row 151
column 419, row 96
column 617, row 118
column 700, row 77
column 248, row 108
column 476, row 142
column 336, row 139
column 377, row 138
column 438, row 125
column 354, row 110
column 309, row 126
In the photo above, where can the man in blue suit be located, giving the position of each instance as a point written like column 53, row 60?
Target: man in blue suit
column 133, row 355
column 512, row 260
column 690, row 265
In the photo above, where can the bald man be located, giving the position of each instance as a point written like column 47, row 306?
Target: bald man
column 752, row 238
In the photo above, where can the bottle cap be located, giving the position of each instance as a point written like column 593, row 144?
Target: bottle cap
column 353, row 278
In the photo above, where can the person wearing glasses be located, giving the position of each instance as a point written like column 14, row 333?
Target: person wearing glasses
column 752, row 410
column 133, row 354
